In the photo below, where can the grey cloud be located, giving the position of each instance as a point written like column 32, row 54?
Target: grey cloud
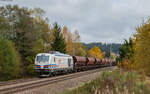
column 96, row 20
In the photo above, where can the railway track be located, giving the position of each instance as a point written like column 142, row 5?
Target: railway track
column 10, row 89
column 17, row 81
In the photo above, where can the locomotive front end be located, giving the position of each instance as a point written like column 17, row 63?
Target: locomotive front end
column 42, row 64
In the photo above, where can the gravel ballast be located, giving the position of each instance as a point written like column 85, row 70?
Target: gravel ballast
column 61, row 86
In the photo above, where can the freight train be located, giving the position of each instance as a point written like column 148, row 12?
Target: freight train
column 54, row 62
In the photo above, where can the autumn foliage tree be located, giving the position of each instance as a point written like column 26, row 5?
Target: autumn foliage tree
column 126, row 52
column 135, row 53
column 142, row 48
column 96, row 52
column 78, row 48
column 73, row 43
column 68, row 39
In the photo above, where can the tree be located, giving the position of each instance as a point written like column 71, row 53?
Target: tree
column 26, row 28
column 4, row 27
column 96, row 52
column 127, row 50
column 142, row 48
column 9, row 61
column 68, row 39
column 126, row 54
column 58, row 43
column 82, row 50
column 78, row 48
column 107, row 54
column 76, row 36
column 43, row 29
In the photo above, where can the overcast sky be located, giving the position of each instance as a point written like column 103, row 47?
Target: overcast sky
column 96, row 20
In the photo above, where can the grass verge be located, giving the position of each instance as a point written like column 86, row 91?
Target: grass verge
column 113, row 82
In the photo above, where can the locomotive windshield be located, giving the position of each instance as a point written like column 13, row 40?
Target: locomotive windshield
column 42, row 58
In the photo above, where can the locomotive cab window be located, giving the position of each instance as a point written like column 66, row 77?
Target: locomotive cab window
column 42, row 58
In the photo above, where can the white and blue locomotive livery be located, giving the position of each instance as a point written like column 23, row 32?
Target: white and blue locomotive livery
column 53, row 63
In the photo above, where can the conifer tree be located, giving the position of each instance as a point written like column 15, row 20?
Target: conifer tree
column 58, row 43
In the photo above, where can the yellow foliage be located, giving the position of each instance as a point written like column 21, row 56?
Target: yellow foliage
column 119, row 64
column 95, row 52
column 68, row 38
column 142, row 48
column 74, row 46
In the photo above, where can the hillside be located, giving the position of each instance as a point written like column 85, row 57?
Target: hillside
column 104, row 47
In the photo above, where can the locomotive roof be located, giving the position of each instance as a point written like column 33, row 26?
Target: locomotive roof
column 56, row 53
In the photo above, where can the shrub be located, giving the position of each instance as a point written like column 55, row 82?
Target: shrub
column 9, row 61
column 30, row 70
column 115, row 82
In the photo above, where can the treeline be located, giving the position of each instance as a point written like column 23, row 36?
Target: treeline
column 135, row 53
column 24, row 33
column 114, row 47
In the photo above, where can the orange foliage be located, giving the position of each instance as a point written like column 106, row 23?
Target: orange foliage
column 68, row 38
column 126, row 64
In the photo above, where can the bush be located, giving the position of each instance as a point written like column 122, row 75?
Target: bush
column 30, row 70
column 9, row 61
column 125, row 64
column 115, row 82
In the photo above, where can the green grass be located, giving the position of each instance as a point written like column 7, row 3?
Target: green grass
column 114, row 82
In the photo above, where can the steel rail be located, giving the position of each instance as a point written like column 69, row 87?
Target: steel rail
column 19, row 88
column 17, row 81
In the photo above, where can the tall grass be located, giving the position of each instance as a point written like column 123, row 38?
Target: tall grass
column 114, row 82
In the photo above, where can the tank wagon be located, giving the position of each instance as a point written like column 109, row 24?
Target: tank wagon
column 57, row 63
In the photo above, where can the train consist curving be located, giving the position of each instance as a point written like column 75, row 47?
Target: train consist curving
column 57, row 63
